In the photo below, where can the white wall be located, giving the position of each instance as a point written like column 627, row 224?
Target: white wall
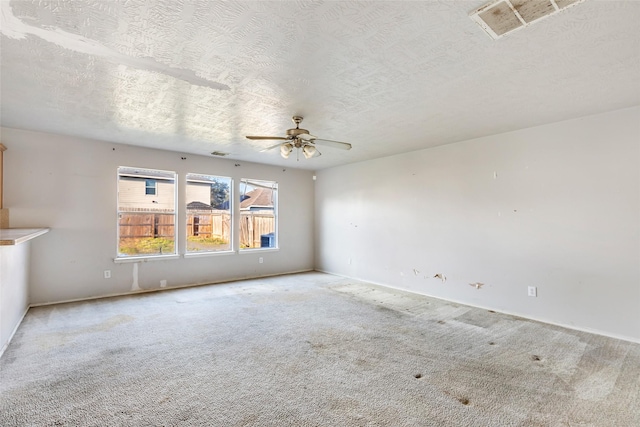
column 14, row 289
column 555, row 206
column 69, row 185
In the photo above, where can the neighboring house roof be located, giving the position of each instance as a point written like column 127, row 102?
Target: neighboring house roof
column 199, row 206
column 259, row 197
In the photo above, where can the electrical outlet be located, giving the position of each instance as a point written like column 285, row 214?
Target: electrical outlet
column 107, row 274
column 533, row 291
column 260, row 260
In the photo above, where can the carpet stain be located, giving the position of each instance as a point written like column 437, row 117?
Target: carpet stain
column 535, row 358
column 389, row 310
column 296, row 297
column 479, row 319
column 462, row 400
column 384, row 299
column 598, row 385
column 249, row 420
column 346, row 403
column 418, row 376
column 110, row 323
column 362, row 362
column 317, row 346
column 56, row 339
column 117, row 351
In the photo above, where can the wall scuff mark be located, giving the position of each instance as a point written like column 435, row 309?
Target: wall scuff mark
column 441, row 277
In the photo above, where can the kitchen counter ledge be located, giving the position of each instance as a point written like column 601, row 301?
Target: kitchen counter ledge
column 15, row 236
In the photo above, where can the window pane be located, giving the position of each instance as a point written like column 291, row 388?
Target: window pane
column 150, row 186
column 258, row 212
column 208, row 213
column 146, row 221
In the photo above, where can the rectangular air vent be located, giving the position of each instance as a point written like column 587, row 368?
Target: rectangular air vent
column 501, row 17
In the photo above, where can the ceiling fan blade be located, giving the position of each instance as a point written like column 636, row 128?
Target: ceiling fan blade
column 271, row 147
column 307, row 137
column 280, row 138
column 334, row 144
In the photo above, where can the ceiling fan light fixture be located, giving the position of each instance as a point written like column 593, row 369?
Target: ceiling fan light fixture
column 310, row 151
column 286, row 149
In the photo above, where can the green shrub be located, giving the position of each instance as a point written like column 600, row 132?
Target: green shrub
column 146, row 245
column 208, row 240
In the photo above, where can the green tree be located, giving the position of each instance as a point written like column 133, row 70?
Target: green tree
column 220, row 195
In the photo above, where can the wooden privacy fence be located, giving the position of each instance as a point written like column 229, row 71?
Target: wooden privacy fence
column 140, row 225
column 209, row 224
column 253, row 225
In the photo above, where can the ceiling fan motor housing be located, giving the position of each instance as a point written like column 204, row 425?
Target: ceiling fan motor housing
column 295, row 132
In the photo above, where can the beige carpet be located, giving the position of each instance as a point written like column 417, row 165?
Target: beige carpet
column 308, row 350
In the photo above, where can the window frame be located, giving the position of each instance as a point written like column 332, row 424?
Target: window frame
column 275, row 201
column 147, row 174
column 231, row 210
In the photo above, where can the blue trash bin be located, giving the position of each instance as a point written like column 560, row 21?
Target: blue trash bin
column 268, row 240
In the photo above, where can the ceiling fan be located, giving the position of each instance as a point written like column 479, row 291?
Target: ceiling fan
column 300, row 139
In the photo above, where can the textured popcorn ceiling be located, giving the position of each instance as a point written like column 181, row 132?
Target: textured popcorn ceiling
column 388, row 77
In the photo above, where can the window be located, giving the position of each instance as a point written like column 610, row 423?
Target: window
column 209, row 219
column 150, row 186
column 146, row 225
column 258, row 213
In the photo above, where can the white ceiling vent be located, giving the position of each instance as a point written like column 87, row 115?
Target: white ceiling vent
column 501, row 17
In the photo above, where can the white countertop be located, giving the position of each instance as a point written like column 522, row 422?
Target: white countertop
column 15, row 236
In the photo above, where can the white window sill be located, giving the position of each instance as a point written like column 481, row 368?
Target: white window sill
column 145, row 258
column 208, row 253
column 123, row 260
column 257, row 250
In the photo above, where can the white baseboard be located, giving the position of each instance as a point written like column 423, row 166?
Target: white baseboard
column 6, row 345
